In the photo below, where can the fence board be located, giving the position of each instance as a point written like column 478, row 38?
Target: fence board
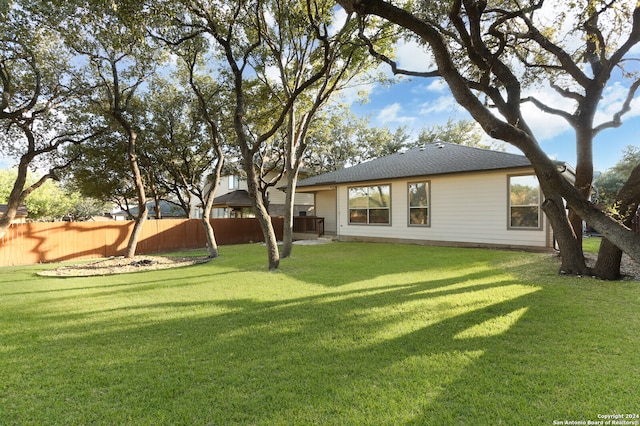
column 30, row 243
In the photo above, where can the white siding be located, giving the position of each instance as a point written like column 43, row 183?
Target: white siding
column 326, row 208
column 470, row 209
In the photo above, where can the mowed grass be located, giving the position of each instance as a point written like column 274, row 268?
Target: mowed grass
column 341, row 334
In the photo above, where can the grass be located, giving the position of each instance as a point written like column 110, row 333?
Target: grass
column 342, row 334
column 591, row 244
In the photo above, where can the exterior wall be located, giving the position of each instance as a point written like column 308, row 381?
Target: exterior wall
column 470, row 209
column 303, row 202
column 326, row 207
column 278, row 209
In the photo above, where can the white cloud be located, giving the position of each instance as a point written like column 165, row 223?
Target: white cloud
column 445, row 103
column 546, row 126
column 612, row 99
column 436, row 85
column 392, row 114
column 413, row 57
column 339, row 18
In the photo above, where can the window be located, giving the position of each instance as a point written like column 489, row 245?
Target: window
column 524, row 202
column 419, row 203
column 234, row 182
column 370, row 204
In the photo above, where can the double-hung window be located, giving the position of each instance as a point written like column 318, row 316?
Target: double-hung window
column 524, row 202
column 370, row 204
column 419, row 204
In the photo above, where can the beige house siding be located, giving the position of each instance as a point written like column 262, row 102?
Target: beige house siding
column 465, row 209
column 303, row 202
column 326, row 208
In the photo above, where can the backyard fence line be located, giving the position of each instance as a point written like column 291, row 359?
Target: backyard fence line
column 31, row 243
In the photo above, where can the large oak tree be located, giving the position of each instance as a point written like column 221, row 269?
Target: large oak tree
column 118, row 60
column 489, row 52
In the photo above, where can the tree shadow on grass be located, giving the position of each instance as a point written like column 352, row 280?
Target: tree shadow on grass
column 376, row 355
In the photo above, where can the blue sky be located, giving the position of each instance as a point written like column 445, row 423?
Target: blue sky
column 418, row 103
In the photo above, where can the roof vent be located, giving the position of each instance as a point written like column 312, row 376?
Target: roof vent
column 440, row 145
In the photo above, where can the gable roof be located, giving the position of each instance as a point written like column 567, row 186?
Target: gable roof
column 238, row 198
column 431, row 159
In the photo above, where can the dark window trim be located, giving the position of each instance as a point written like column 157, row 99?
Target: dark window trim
column 429, row 211
column 368, row 223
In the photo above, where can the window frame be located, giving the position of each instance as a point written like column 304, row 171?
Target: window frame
column 368, row 208
column 428, row 205
column 538, row 206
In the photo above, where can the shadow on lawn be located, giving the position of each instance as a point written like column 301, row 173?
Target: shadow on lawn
column 375, row 355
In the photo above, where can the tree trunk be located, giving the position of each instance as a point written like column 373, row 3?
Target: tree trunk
column 12, row 208
column 609, row 261
column 19, row 193
column 291, row 171
column 572, row 259
column 135, row 234
column 584, row 156
column 263, row 218
column 627, row 200
column 7, row 217
column 143, row 211
column 287, row 232
column 212, row 245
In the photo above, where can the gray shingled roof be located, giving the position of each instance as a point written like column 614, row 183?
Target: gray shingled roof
column 432, row 159
column 238, row 198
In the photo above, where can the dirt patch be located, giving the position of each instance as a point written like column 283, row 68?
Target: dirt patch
column 629, row 268
column 120, row 265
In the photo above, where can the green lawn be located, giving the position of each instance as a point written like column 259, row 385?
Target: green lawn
column 342, row 334
column 591, row 244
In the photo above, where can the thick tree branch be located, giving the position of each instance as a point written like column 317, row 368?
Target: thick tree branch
column 546, row 108
column 394, row 66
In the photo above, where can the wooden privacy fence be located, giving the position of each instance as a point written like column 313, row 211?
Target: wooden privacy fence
column 30, row 243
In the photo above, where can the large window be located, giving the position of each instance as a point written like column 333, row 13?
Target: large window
column 419, row 203
column 370, row 204
column 524, row 202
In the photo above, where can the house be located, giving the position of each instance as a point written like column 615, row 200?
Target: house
column 235, row 204
column 232, row 200
column 439, row 194
column 167, row 211
column 21, row 214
